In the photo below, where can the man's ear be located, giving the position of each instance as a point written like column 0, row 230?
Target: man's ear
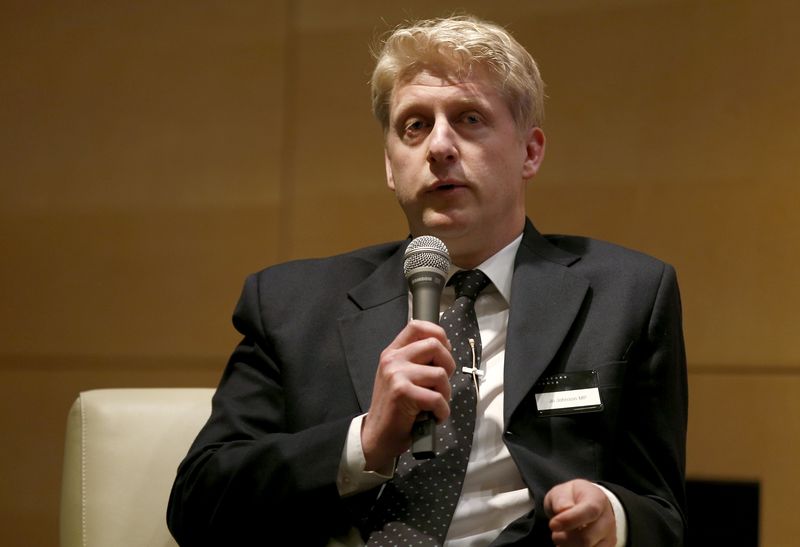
column 534, row 152
column 389, row 176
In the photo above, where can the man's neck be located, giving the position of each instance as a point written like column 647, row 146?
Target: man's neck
column 468, row 259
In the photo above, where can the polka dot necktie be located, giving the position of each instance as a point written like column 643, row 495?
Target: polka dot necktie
column 417, row 505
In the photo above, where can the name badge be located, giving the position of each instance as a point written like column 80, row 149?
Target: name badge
column 568, row 393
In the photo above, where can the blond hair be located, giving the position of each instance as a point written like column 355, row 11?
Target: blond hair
column 457, row 45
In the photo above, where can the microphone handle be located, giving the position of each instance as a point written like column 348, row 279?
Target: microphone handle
column 423, row 437
column 425, row 298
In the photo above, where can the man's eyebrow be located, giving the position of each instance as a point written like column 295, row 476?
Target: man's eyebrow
column 412, row 106
column 473, row 101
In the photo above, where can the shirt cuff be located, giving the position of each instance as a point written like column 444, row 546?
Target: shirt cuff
column 352, row 477
column 619, row 516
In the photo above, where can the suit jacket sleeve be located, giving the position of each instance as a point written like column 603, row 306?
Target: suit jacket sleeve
column 650, row 457
column 256, row 472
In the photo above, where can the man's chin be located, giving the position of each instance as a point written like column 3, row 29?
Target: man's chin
column 443, row 226
column 443, row 232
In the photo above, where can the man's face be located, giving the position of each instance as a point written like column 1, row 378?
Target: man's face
column 458, row 163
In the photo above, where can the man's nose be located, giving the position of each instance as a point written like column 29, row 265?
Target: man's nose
column 442, row 143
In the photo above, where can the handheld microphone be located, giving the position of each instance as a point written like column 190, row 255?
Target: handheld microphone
column 425, row 265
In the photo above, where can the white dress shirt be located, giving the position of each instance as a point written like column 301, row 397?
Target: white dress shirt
column 494, row 494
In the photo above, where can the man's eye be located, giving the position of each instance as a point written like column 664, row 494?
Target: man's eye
column 472, row 119
column 414, row 129
column 414, row 125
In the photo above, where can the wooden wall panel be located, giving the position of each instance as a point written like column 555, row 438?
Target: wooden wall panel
column 139, row 183
column 744, row 425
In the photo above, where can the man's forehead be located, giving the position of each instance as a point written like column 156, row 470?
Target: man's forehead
column 444, row 75
column 475, row 86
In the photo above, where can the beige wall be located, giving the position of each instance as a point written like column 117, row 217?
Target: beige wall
column 153, row 153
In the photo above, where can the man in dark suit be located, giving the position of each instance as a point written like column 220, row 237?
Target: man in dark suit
column 318, row 400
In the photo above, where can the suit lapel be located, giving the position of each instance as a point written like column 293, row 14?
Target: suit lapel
column 545, row 299
column 382, row 302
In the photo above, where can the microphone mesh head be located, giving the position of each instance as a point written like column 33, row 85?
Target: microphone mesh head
column 426, row 252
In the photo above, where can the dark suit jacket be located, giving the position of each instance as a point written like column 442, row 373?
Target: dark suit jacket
column 263, row 470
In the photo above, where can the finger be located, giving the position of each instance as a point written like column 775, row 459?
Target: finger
column 576, row 517
column 416, row 382
column 418, row 330
column 425, row 351
column 558, row 499
column 576, row 503
column 422, row 399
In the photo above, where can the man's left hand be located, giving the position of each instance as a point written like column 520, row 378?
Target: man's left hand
column 580, row 515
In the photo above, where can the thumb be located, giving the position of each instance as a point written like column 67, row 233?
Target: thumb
column 558, row 499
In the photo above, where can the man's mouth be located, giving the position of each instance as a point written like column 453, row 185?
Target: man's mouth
column 445, row 185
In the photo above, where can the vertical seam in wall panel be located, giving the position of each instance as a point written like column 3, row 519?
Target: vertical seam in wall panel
column 286, row 185
column 83, row 472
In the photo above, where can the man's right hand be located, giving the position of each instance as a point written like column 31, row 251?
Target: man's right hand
column 413, row 376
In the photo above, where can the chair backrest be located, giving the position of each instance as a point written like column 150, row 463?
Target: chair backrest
column 123, row 447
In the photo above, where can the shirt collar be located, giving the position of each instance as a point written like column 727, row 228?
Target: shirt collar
column 499, row 268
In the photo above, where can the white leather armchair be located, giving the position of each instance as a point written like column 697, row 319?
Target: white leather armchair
column 123, row 447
